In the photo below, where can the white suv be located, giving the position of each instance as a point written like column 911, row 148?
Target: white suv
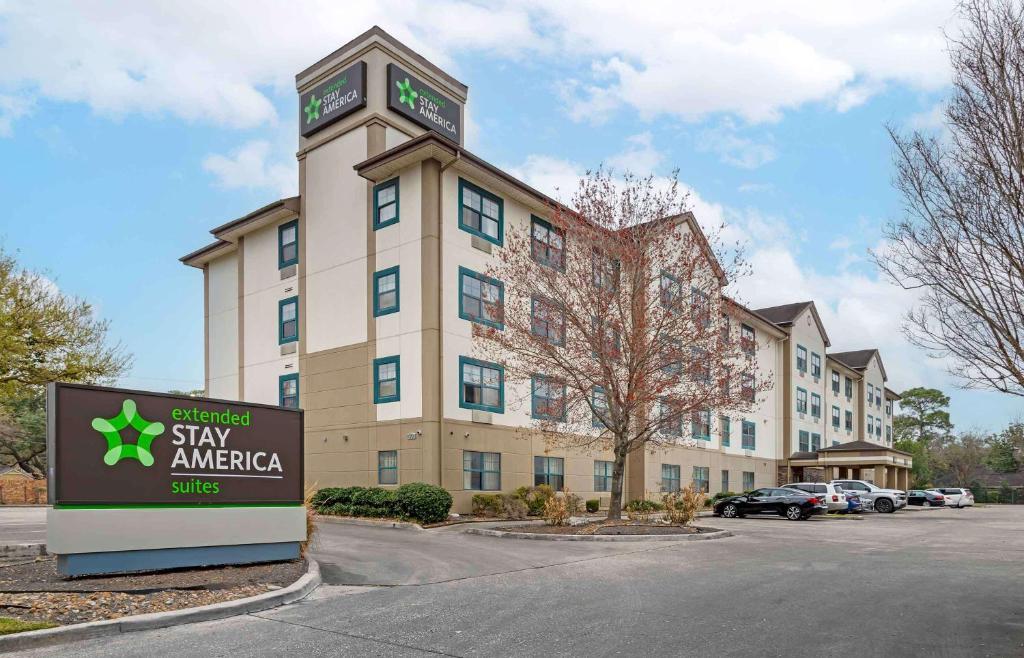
column 882, row 500
column 832, row 494
column 956, row 497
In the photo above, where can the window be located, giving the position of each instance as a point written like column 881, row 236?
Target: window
column 878, row 426
column 888, row 433
column 878, row 397
column 547, row 244
column 385, row 204
column 605, row 270
column 288, row 320
column 747, row 386
column 888, row 407
column 815, row 405
column 871, row 394
column 288, row 389
column 548, row 398
column 549, row 471
column 481, row 385
column 834, row 443
column 835, row 416
column 748, row 480
column 726, row 328
column 801, row 401
column 835, row 383
column 700, row 425
column 671, row 294
column 702, row 478
column 609, row 338
column 815, row 442
column 387, row 467
column 871, row 424
column 602, row 475
column 385, row 291
column 700, row 365
column 801, row 358
column 805, row 441
column 725, row 479
column 600, row 402
column 482, row 212
column 288, row 244
column 386, row 376
column 671, row 422
column 481, row 299
column 849, row 421
column 849, row 388
column 670, row 477
column 748, row 339
column 547, row 321
column 749, row 438
column 672, row 358
column 700, row 308
column 481, row 471
column 815, row 365
column 724, row 427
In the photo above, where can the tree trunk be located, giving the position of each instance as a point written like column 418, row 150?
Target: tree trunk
column 618, row 471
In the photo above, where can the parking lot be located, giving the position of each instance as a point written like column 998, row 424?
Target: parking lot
column 933, row 583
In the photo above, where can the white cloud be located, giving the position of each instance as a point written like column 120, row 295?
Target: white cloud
column 734, row 149
column 252, row 167
column 222, row 62
column 11, row 108
column 750, row 188
column 931, row 120
column 841, row 243
column 640, row 156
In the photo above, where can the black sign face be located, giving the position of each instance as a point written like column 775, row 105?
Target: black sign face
column 332, row 99
column 114, row 447
column 422, row 104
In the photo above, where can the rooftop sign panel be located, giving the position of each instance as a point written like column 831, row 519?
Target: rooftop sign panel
column 423, row 104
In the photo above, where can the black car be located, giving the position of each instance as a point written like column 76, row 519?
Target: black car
column 793, row 504
column 925, row 498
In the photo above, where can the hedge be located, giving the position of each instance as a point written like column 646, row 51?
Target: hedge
column 419, row 501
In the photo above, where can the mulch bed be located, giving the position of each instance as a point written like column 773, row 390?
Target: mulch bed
column 615, row 529
column 33, row 590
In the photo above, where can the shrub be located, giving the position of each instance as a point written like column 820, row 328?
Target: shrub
column 593, row 505
column 488, row 504
column 534, row 497
column 425, row 502
column 681, row 507
column 383, row 502
column 573, row 503
column 642, row 509
column 514, row 508
column 556, row 510
column 334, row 495
column 708, row 502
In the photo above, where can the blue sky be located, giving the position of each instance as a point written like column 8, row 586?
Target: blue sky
column 127, row 132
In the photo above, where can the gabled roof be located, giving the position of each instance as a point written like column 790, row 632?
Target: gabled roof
column 786, row 315
column 892, row 395
column 859, row 360
column 765, row 322
column 227, row 234
column 860, row 445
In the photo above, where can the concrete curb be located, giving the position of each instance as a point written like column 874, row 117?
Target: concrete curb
column 373, row 523
column 30, row 549
column 300, row 589
column 717, row 534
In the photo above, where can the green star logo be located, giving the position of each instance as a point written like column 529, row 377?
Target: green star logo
column 313, row 109
column 111, row 428
column 409, row 95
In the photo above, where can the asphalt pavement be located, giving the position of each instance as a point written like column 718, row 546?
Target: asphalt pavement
column 936, row 584
column 22, row 525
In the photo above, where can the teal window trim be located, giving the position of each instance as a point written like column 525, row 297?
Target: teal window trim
column 849, row 388
column 804, row 441
column 670, row 477
column 281, row 338
column 725, row 479
column 702, row 478
column 379, row 310
column 536, row 245
column 815, row 405
column 800, row 390
column 749, row 435
column 835, row 383
column 697, row 419
column 500, row 239
column 673, row 426
column 549, row 311
column 801, row 363
column 549, row 471
column 748, row 480
column 849, row 421
column 871, row 424
column 377, row 224
column 603, row 475
column 466, row 272
column 387, row 360
column 671, row 291
column 815, row 364
column 481, row 471
column 292, row 377
column 748, row 338
column 594, row 420
column 387, row 466
column 283, row 262
column 726, row 428
column 835, row 416
column 494, row 408
column 536, row 402
column 815, row 441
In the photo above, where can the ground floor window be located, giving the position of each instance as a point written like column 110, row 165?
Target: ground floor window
column 702, row 478
column 670, row 477
column 748, row 480
column 387, row 467
column 725, row 479
column 602, row 475
column 481, row 471
column 549, row 471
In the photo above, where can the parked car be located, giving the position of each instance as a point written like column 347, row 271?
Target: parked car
column 834, row 496
column 880, row 499
column 853, row 503
column 793, row 504
column 923, row 498
column 956, row 496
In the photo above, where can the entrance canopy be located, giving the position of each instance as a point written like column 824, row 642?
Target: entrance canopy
column 856, row 460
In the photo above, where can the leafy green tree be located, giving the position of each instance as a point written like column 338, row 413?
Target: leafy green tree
column 1001, row 455
column 921, row 472
column 923, row 417
column 958, row 458
column 45, row 335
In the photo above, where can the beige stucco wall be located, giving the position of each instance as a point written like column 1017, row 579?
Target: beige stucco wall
column 873, row 376
column 222, row 327
column 851, row 404
column 805, row 332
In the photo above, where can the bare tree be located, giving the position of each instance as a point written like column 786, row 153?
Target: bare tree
column 961, row 243
column 615, row 314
